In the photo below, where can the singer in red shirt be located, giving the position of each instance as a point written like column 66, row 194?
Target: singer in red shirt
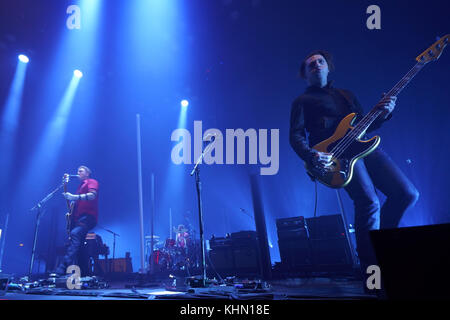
column 84, row 216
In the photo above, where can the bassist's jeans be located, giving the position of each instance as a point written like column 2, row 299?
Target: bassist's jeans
column 378, row 171
column 77, row 236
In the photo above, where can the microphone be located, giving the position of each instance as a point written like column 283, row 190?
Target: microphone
column 74, row 176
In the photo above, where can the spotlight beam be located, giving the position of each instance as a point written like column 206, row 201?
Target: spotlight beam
column 9, row 128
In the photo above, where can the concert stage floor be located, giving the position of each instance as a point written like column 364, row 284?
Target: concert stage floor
column 317, row 288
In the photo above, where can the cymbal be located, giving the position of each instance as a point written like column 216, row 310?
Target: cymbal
column 176, row 230
column 154, row 237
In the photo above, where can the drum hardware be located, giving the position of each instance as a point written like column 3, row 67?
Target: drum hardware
column 175, row 256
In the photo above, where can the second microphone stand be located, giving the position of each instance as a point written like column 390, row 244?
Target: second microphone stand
column 114, row 248
column 198, row 185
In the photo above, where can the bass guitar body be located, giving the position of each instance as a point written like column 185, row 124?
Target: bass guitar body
column 339, row 171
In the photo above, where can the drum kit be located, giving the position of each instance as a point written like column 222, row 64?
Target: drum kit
column 174, row 254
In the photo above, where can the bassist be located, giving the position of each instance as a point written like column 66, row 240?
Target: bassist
column 317, row 112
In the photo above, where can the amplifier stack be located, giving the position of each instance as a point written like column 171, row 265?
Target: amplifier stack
column 237, row 254
column 293, row 242
column 317, row 244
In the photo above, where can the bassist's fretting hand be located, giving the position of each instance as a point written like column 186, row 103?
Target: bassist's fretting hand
column 387, row 105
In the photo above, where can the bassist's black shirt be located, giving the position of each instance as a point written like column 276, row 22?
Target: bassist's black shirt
column 316, row 114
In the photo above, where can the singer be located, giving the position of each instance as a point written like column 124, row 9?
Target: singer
column 84, row 217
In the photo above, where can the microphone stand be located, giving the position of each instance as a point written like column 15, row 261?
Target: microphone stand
column 114, row 247
column 38, row 208
column 198, row 184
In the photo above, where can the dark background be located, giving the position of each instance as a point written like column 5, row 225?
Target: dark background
column 236, row 62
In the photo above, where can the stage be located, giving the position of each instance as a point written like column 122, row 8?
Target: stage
column 314, row 288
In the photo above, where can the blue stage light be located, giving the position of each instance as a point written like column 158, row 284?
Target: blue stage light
column 184, row 103
column 78, row 73
column 23, row 58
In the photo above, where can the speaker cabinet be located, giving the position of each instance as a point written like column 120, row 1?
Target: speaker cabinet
column 414, row 261
column 237, row 255
column 331, row 254
column 295, row 252
column 314, row 244
column 222, row 258
column 246, row 260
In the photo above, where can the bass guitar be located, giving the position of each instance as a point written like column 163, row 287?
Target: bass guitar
column 346, row 146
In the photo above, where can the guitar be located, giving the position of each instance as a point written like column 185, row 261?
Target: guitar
column 346, row 146
column 70, row 206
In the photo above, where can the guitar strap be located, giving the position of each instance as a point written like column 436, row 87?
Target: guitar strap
column 347, row 98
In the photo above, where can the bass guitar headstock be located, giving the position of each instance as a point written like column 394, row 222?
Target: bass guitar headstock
column 66, row 178
column 435, row 51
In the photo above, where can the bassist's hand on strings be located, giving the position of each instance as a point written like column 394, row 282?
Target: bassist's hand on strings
column 387, row 105
column 322, row 159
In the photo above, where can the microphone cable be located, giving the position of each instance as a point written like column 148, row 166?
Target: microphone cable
column 315, row 201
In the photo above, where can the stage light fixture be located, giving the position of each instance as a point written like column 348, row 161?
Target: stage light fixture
column 78, row 73
column 23, row 58
column 184, row 103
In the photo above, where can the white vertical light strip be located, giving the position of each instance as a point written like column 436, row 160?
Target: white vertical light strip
column 141, row 205
column 3, row 241
column 170, row 223
column 152, row 219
